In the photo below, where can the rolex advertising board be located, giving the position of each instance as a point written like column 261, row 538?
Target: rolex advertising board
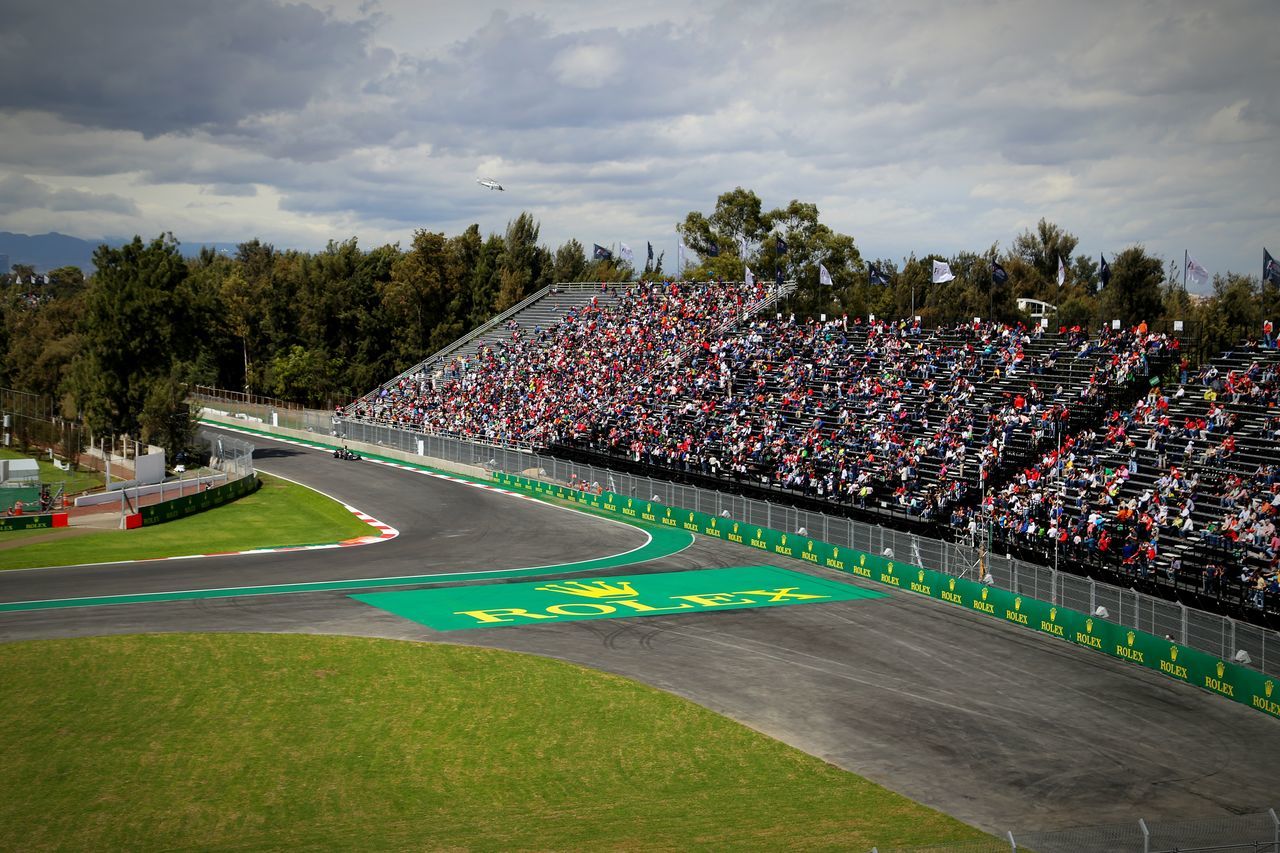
column 1138, row 647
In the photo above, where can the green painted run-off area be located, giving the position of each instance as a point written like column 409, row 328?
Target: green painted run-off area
column 664, row 594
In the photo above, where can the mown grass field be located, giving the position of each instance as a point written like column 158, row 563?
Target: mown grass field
column 253, row 742
column 280, row 513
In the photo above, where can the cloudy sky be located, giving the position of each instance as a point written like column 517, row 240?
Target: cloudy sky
column 913, row 125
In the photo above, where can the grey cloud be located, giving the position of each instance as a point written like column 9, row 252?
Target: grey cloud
column 517, row 74
column 160, row 66
column 22, row 193
column 238, row 190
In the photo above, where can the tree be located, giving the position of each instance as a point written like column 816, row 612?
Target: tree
column 524, row 267
column 134, row 330
column 570, row 263
column 166, row 419
column 1133, row 296
column 738, row 219
column 1041, row 250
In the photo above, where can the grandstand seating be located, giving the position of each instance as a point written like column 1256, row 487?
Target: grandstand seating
column 956, row 428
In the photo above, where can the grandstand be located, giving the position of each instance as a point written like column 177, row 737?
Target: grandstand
column 1066, row 447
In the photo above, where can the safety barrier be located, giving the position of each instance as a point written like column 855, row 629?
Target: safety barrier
column 1171, row 659
column 199, row 502
column 33, row 522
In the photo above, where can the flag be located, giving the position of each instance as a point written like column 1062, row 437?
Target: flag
column 1062, row 272
column 782, row 246
column 750, row 279
column 875, row 275
column 600, row 253
column 1270, row 269
column 712, row 249
column 824, row 277
column 680, row 248
column 1104, row 271
column 942, row 272
column 650, row 250
column 998, row 275
column 1196, row 272
column 777, row 276
column 742, row 246
column 624, row 252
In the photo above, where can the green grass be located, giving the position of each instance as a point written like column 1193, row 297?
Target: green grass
column 280, row 513
column 75, row 481
column 262, row 742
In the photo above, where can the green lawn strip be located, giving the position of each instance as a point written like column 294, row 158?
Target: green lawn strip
column 278, row 514
column 75, row 481
column 290, row 741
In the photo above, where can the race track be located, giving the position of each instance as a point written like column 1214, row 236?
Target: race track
column 1001, row 727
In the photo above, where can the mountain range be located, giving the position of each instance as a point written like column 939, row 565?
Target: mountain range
column 47, row 252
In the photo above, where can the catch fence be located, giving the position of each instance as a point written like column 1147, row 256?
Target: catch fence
column 1256, row 832
column 1220, row 636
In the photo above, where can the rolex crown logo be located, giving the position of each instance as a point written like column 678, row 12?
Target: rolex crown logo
column 735, row 527
column 648, row 507
column 1053, row 614
column 713, row 521
column 668, row 512
column 1221, row 668
column 888, row 567
column 920, row 576
column 628, row 502
column 1017, row 603
column 691, row 516
column 1129, row 638
column 810, row 548
column 951, row 584
column 1173, row 653
column 784, row 539
column 759, row 533
column 984, row 593
column 1088, row 626
column 592, row 589
column 862, row 561
column 1268, row 687
column 835, row 553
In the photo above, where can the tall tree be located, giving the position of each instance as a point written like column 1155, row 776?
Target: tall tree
column 1041, row 249
column 1133, row 296
column 134, row 330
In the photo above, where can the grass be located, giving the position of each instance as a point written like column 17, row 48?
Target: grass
column 262, row 742
column 280, row 513
column 75, row 481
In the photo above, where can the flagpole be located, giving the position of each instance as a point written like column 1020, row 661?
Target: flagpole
column 1186, row 254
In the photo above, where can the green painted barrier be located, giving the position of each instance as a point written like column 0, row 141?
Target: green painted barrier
column 26, row 522
column 1172, row 660
column 199, row 502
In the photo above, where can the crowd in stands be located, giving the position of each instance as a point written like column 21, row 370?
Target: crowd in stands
column 880, row 414
column 538, row 386
column 1185, row 470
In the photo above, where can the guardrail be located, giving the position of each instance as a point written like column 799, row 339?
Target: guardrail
column 1219, row 636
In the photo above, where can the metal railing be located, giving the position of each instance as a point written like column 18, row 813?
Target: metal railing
column 231, row 456
column 1258, row 832
column 1214, row 634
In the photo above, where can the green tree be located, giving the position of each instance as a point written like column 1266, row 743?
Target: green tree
column 1041, row 250
column 1133, row 295
column 570, row 263
column 134, row 329
column 166, row 419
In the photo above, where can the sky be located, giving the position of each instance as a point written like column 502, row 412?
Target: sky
column 913, row 125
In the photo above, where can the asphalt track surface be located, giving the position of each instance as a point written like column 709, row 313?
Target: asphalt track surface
column 999, row 726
